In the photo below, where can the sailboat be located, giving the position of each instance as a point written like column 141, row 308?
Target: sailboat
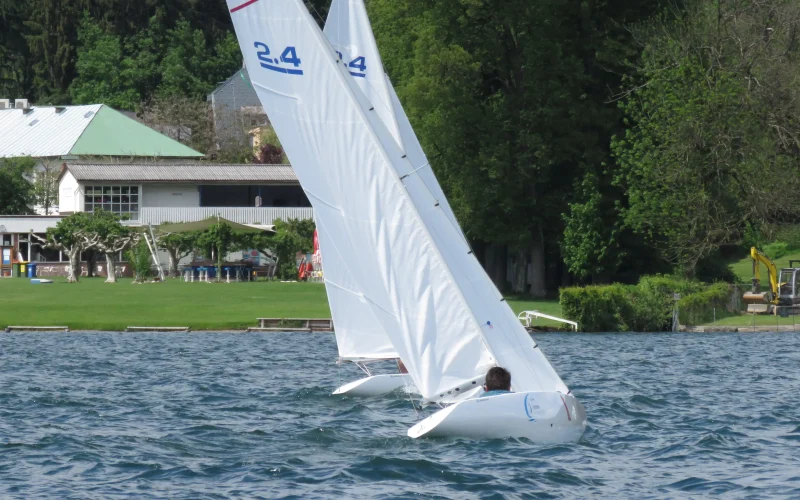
column 358, row 334
column 360, row 337
column 414, row 270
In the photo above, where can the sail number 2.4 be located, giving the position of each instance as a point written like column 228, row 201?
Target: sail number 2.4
column 288, row 56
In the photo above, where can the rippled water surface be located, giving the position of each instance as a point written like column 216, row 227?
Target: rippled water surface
column 230, row 415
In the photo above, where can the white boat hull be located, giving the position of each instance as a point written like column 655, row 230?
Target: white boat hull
column 376, row 385
column 543, row 417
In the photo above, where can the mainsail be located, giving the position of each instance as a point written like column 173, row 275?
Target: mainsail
column 413, row 267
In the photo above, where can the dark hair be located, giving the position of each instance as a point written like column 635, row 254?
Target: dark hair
column 498, row 379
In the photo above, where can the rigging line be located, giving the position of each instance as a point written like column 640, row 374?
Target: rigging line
column 309, row 193
column 344, row 289
column 415, row 171
column 322, row 19
column 411, row 400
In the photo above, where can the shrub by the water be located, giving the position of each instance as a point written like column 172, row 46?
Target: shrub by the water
column 707, row 305
column 596, row 308
column 645, row 307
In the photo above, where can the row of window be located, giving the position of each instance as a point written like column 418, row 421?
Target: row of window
column 122, row 200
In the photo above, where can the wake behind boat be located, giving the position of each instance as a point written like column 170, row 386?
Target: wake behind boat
column 414, row 269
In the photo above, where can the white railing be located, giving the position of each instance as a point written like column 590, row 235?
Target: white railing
column 242, row 215
column 528, row 317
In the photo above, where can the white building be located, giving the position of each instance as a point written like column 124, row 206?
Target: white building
column 156, row 193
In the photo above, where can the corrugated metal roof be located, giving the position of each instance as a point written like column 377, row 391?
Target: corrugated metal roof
column 43, row 132
column 149, row 172
column 92, row 130
column 113, row 134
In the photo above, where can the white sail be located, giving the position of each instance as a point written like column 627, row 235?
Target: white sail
column 349, row 30
column 409, row 260
column 359, row 334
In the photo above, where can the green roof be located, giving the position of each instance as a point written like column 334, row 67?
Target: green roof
column 111, row 133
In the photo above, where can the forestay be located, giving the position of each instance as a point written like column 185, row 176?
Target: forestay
column 408, row 258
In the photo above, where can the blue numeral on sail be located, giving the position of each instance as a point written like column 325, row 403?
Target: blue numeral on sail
column 288, row 56
column 359, row 63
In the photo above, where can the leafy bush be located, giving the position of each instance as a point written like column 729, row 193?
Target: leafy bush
column 597, row 308
column 791, row 235
column 776, row 250
column 702, row 307
column 139, row 259
column 646, row 307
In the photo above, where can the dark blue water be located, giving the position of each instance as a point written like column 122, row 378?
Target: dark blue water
column 227, row 415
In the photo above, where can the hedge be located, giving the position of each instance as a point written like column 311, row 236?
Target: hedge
column 645, row 307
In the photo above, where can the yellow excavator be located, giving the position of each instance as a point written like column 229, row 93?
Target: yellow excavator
column 784, row 287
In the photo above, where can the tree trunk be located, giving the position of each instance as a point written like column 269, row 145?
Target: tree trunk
column 91, row 260
column 496, row 263
column 74, row 265
column 538, row 267
column 520, row 272
column 219, row 265
column 173, row 262
column 111, row 267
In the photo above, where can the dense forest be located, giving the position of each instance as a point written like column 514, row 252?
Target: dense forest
column 596, row 141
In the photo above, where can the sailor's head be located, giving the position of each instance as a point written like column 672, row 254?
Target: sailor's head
column 497, row 379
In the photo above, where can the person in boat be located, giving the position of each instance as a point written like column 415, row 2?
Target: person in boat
column 498, row 381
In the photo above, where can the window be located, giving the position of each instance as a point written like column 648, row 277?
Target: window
column 123, row 200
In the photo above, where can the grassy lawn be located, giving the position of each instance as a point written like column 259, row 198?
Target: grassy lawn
column 743, row 268
column 95, row 305
column 760, row 320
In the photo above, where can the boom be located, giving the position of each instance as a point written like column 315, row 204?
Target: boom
column 760, row 257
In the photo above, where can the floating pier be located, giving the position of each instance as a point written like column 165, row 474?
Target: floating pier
column 64, row 329
column 309, row 325
column 163, row 329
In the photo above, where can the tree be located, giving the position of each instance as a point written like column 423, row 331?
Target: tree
column 292, row 236
column 177, row 246
column 51, row 33
column 111, row 238
column 16, row 191
column 270, row 151
column 191, row 66
column 712, row 145
column 223, row 239
column 185, row 119
column 72, row 235
column 104, row 74
column 499, row 93
column 45, row 186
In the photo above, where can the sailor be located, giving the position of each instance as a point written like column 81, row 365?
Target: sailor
column 498, row 381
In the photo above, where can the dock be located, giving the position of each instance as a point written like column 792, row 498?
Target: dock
column 160, row 329
column 309, row 325
column 64, row 329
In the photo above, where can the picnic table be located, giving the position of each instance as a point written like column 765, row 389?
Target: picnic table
column 206, row 269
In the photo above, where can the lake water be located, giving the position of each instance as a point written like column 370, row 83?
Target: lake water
column 233, row 415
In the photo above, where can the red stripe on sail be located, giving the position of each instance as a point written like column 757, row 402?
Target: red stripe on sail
column 250, row 2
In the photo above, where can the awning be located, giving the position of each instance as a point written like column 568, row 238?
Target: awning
column 202, row 225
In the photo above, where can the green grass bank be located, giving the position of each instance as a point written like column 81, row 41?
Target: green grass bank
column 93, row 304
